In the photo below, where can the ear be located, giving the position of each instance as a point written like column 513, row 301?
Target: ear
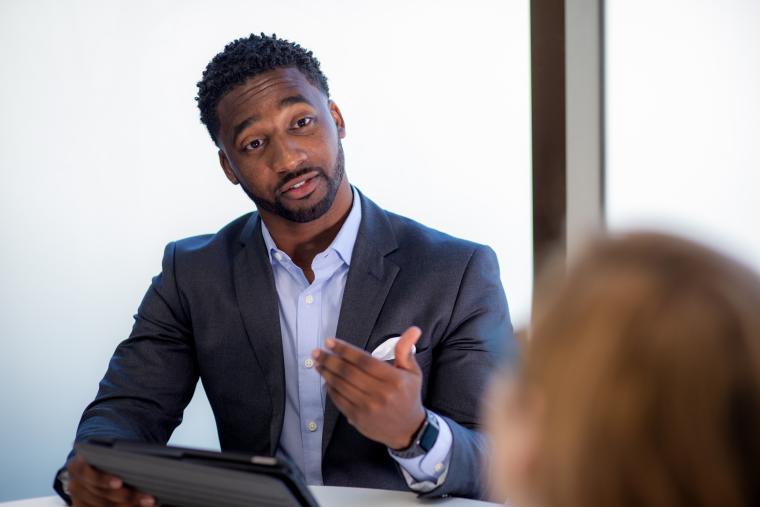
column 227, row 168
column 338, row 119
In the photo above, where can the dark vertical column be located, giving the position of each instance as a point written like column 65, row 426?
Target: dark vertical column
column 547, row 27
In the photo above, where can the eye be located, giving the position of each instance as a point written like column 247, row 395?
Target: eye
column 304, row 122
column 253, row 145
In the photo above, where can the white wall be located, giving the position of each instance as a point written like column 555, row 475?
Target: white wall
column 683, row 120
column 103, row 161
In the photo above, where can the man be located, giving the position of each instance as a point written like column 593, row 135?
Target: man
column 252, row 310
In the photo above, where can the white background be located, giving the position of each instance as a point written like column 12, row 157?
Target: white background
column 683, row 120
column 103, row 161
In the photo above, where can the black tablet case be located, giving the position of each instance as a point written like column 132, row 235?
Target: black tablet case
column 181, row 477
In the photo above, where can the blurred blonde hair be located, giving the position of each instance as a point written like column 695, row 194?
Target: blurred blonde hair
column 647, row 357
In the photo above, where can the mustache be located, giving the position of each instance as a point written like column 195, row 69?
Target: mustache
column 299, row 172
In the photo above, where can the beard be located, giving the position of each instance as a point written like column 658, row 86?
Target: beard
column 303, row 215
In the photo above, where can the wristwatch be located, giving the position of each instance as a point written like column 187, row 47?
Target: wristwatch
column 423, row 441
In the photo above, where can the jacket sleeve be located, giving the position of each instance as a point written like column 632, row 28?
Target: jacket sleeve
column 478, row 340
column 152, row 374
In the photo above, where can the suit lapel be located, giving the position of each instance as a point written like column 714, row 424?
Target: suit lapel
column 370, row 278
column 257, row 300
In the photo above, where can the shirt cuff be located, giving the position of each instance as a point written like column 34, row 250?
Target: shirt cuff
column 427, row 472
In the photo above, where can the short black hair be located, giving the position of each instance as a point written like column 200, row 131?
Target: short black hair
column 245, row 58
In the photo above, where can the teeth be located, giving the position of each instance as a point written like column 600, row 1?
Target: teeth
column 298, row 185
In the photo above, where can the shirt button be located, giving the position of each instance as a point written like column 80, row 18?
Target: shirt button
column 312, row 426
column 438, row 467
column 308, row 363
column 278, row 256
column 309, row 299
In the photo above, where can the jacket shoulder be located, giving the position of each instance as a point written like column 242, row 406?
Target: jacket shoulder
column 414, row 236
column 223, row 243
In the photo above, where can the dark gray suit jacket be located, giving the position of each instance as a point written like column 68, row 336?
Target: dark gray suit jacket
column 212, row 314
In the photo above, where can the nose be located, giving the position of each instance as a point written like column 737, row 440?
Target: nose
column 287, row 155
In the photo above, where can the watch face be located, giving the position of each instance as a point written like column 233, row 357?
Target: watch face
column 424, row 441
column 429, row 435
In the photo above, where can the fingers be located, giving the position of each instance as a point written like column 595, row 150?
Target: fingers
column 357, row 374
column 403, row 352
column 91, row 487
column 123, row 496
column 86, row 476
column 352, row 387
column 345, row 405
column 335, row 368
column 359, row 359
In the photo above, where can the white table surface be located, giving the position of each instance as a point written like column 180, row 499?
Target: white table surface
column 327, row 496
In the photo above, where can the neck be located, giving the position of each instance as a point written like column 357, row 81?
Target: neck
column 303, row 241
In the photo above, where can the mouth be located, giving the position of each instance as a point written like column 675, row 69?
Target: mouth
column 300, row 187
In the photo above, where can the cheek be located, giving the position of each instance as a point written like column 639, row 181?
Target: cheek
column 260, row 182
column 323, row 144
column 323, row 151
column 255, row 169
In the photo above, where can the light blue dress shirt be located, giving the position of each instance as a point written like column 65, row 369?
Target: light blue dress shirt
column 308, row 316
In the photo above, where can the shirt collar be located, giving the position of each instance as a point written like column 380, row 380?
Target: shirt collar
column 344, row 241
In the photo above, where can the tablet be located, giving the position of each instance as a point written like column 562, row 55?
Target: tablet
column 180, row 477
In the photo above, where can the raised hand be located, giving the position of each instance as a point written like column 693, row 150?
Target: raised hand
column 382, row 401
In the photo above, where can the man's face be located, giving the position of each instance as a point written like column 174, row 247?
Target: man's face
column 279, row 137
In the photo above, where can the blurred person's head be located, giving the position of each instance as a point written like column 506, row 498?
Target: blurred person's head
column 640, row 385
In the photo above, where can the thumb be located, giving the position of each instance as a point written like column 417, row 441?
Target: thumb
column 403, row 351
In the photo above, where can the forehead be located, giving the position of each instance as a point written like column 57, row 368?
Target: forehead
column 266, row 90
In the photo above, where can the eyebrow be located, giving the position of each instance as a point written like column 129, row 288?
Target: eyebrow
column 293, row 99
column 244, row 125
column 287, row 101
